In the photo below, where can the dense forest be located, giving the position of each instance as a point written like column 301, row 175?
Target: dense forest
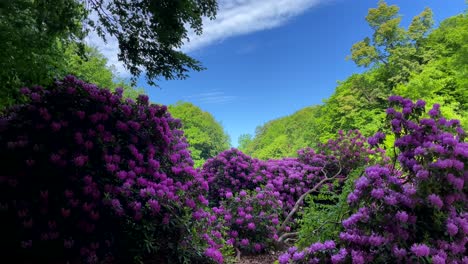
column 94, row 172
column 420, row 62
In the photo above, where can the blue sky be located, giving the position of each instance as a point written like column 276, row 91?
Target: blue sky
column 269, row 58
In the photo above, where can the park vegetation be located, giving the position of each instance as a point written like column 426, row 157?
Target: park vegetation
column 93, row 172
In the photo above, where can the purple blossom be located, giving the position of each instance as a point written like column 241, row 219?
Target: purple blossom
column 435, row 200
column 402, row 216
column 377, row 193
column 80, row 161
column 298, row 256
column 452, row 229
column 420, row 250
column 284, row 258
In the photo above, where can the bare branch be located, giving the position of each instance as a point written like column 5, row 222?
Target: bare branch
column 287, row 235
column 303, row 196
column 238, row 254
column 288, row 240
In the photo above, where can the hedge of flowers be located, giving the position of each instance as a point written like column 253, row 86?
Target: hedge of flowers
column 236, row 179
column 413, row 210
column 251, row 217
column 87, row 176
column 231, row 171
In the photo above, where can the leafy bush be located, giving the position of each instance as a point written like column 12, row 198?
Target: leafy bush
column 290, row 178
column 323, row 213
column 326, row 209
column 88, row 176
column 412, row 210
column 251, row 217
column 231, row 171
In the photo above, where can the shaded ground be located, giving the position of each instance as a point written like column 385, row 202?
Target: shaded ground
column 267, row 258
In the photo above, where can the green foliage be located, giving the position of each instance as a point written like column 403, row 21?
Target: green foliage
column 418, row 63
column 32, row 39
column 324, row 213
column 40, row 43
column 35, row 39
column 151, row 33
column 391, row 45
column 244, row 141
column 284, row 136
column 204, row 134
column 384, row 20
column 356, row 103
column 444, row 78
column 92, row 67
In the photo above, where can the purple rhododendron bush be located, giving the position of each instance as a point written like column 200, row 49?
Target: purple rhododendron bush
column 259, row 201
column 89, row 177
column 231, row 171
column 411, row 210
column 251, row 218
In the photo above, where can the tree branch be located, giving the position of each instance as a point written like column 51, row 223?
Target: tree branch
column 302, row 197
column 287, row 235
column 238, row 254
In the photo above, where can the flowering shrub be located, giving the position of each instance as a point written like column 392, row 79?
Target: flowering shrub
column 349, row 152
column 412, row 213
column 290, row 178
column 231, row 171
column 88, row 176
column 251, row 217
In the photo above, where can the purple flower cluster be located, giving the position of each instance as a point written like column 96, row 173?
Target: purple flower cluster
column 236, row 179
column 91, row 175
column 252, row 218
column 230, row 172
column 413, row 212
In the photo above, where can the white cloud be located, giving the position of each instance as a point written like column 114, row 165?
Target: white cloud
column 234, row 18
column 212, row 97
column 239, row 17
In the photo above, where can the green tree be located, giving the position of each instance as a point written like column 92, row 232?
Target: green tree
column 204, row 134
column 391, row 45
column 93, row 68
column 151, row 33
column 244, row 141
column 284, row 136
column 33, row 36
column 419, row 63
column 385, row 22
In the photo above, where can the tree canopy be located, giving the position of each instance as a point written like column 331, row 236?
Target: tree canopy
column 206, row 137
column 35, row 35
column 420, row 62
column 151, row 33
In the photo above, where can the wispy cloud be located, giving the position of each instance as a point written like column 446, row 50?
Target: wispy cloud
column 234, row 18
column 212, row 97
column 240, row 17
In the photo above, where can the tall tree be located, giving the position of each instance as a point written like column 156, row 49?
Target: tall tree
column 93, row 68
column 400, row 50
column 151, row 32
column 244, row 141
column 204, row 134
column 33, row 35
